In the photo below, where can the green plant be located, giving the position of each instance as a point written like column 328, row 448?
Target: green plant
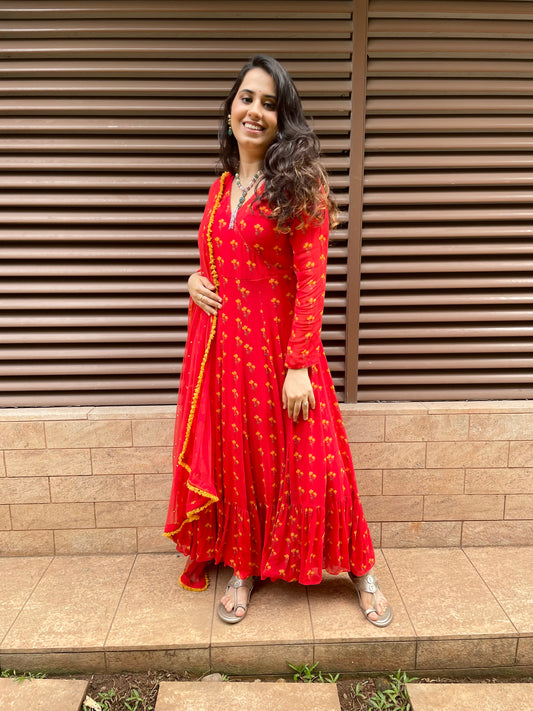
column 328, row 678
column 395, row 698
column 306, row 674
column 103, row 698
column 136, row 700
column 12, row 674
column 356, row 693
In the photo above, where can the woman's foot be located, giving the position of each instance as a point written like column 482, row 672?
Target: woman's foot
column 373, row 602
column 234, row 603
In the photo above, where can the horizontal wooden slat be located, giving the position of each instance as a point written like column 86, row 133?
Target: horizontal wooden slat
column 463, row 330
column 457, row 297
column 151, row 87
column 451, row 177
column 64, row 9
column 418, row 144
column 502, row 377
column 447, row 247
column 449, row 161
column 455, row 9
column 169, row 48
column 444, row 105
column 449, row 47
column 452, row 281
column 454, row 362
column 153, row 106
column 431, row 348
column 136, row 217
column 432, row 197
column 440, row 314
column 171, row 68
column 486, row 391
column 112, row 234
column 478, row 125
column 129, row 145
column 139, row 125
column 168, row 28
column 441, row 87
column 70, row 353
column 447, row 67
column 452, row 265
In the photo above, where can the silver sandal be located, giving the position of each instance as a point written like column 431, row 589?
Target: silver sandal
column 369, row 583
column 236, row 583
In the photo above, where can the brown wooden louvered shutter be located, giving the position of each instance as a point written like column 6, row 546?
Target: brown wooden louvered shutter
column 446, row 284
column 108, row 121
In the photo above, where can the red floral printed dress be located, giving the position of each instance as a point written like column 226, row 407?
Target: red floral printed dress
column 252, row 489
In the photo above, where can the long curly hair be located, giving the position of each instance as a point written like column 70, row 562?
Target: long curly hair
column 295, row 182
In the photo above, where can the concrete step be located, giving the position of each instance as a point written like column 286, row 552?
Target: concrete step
column 456, row 611
column 465, row 697
column 213, row 696
column 42, row 694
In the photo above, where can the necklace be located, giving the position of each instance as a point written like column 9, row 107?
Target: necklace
column 244, row 191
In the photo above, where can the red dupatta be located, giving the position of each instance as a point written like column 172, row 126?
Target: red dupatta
column 193, row 488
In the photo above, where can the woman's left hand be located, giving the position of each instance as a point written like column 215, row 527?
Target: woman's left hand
column 297, row 394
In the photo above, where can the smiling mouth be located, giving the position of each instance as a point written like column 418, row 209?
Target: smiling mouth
column 252, row 127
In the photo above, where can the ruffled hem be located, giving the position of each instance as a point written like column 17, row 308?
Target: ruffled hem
column 302, row 543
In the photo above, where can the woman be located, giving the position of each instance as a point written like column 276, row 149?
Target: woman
column 264, row 480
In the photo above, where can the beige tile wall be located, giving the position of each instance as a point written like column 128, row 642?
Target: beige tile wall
column 97, row 480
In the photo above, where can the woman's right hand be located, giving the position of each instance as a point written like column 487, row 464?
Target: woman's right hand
column 203, row 293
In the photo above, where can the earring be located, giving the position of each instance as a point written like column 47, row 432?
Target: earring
column 230, row 132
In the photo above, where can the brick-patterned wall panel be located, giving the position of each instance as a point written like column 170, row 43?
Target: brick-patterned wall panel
column 97, row 480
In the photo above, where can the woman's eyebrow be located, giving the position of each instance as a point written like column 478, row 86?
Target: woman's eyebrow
column 249, row 91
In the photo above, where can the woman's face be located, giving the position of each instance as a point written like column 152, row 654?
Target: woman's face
column 254, row 118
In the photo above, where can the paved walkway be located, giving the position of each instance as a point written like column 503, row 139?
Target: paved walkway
column 467, row 610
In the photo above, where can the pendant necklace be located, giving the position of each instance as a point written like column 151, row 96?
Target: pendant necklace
column 244, row 191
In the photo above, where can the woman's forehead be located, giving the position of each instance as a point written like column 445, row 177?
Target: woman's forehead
column 259, row 81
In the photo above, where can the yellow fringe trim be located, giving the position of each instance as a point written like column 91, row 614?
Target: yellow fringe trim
column 187, row 587
column 194, row 515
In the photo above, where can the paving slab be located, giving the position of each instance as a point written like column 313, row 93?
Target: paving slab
column 42, row 694
column 465, row 697
column 252, row 696
column 508, row 572
column 72, row 606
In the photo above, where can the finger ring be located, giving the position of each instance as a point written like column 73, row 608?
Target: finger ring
column 201, row 298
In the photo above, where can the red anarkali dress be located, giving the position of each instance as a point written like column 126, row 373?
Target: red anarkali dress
column 252, row 489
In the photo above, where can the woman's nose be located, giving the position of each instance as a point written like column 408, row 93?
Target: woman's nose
column 255, row 109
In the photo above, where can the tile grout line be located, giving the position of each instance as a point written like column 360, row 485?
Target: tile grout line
column 491, row 592
column 416, row 636
column 116, row 610
column 23, row 607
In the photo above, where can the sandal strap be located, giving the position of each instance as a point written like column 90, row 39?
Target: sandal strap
column 236, row 583
column 371, row 609
column 365, row 583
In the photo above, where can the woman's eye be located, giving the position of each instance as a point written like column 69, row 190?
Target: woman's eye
column 246, row 99
column 270, row 106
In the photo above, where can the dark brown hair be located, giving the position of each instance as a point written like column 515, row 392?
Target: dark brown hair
column 296, row 184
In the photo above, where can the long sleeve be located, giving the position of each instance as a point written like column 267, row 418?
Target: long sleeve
column 309, row 244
